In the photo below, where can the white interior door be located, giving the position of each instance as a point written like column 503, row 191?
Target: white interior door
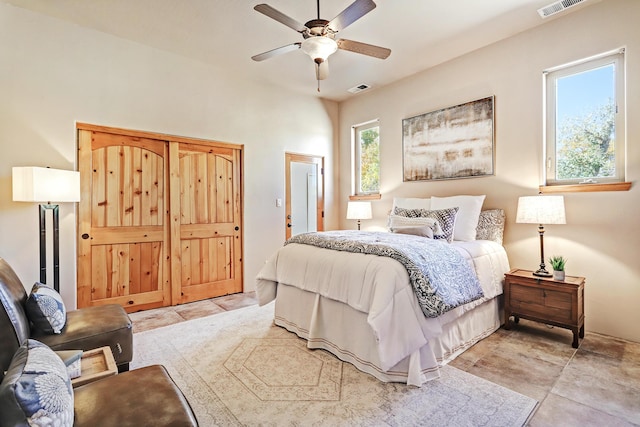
column 305, row 198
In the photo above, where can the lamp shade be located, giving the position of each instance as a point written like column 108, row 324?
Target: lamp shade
column 541, row 210
column 319, row 48
column 359, row 210
column 35, row 184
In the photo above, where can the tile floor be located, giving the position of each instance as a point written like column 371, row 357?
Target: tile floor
column 597, row 384
column 155, row 318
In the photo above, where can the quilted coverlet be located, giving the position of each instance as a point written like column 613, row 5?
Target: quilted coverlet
column 440, row 276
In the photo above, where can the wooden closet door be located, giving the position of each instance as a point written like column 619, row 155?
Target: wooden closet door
column 122, row 227
column 206, row 221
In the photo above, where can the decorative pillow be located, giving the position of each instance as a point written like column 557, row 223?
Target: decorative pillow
column 409, row 203
column 491, row 225
column 405, row 221
column 446, row 219
column 417, row 226
column 467, row 217
column 423, row 231
column 45, row 309
column 36, row 390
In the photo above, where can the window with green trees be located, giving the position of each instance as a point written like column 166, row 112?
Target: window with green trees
column 367, row 158
column 585, row 121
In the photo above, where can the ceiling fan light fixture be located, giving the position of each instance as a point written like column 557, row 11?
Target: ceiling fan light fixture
column 319, row 35
column 319, row 48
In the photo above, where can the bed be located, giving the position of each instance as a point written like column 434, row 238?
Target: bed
column 366, row 308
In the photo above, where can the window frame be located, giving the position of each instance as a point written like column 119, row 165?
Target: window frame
column 550, row 76
column 356, row 156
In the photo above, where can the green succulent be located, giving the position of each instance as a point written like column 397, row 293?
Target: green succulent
column 557, row 262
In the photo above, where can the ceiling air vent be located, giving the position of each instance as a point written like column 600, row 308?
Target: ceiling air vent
column 359, row 88
column 557, row 7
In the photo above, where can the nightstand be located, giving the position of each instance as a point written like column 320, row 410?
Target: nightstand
column 542, row 299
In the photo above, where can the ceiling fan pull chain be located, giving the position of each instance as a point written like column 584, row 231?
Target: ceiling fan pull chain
column 318, row 74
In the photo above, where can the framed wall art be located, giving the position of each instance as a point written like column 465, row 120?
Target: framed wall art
column 454, row 142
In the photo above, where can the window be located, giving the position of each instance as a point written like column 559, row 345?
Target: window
column 366, row 155
column 585, row 121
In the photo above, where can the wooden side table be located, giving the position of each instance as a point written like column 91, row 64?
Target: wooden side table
column 95, row 364
column 542, row 299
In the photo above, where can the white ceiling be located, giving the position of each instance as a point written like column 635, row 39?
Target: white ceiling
column 226, row 33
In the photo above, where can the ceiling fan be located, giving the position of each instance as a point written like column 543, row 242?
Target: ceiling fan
column 320, row 36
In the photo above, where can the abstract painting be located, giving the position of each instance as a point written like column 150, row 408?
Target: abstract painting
column 454, row 142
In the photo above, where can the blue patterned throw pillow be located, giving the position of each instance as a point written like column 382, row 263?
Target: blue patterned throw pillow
column 45, row 309
column 36, row 389
column 445, row 217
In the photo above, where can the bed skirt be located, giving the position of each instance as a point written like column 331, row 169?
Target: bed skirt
column 343, row 331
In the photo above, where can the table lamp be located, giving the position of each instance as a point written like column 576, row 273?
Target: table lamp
column 359, row 211
column 541, row 210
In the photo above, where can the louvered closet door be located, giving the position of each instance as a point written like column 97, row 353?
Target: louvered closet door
column 206, row 221
column 123, row 224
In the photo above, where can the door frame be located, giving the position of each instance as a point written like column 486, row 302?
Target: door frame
column 303, row 158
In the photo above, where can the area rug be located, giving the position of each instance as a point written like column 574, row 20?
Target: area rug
column 237, row 368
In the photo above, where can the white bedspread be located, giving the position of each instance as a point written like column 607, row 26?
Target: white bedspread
column 378, row 286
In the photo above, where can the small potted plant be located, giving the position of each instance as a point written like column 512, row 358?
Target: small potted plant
column 558, row 262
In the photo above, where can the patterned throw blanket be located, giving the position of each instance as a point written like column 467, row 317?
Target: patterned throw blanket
column 441, row 277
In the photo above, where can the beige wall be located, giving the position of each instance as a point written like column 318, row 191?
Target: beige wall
column 602, row 237
column 53, row 74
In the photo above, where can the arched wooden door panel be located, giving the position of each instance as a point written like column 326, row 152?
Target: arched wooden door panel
column 207, row 225
column 122, row 251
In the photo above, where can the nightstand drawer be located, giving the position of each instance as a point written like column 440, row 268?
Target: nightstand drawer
column 555, row 305
column 540, row 296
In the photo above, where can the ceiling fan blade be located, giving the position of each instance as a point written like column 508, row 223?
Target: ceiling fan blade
column 351, row 14
column 323, row 70
column 280, row 17
column 364, row 48
column 277, row 51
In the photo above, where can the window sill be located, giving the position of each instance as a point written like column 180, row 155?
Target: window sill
column 365, row 197
column 584, row 188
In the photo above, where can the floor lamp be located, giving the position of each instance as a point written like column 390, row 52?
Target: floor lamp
column 47, row 186
column 541, row 210
column 359, row 210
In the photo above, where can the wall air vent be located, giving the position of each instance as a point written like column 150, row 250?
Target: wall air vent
column 557, row 7
column 359, row 88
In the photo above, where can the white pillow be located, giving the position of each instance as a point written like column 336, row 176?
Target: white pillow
column 467, row 217
column 410, row 203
